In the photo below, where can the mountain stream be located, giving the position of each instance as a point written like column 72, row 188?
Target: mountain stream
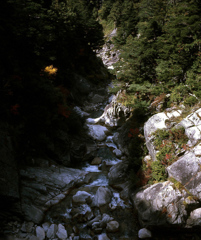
column 95, row 210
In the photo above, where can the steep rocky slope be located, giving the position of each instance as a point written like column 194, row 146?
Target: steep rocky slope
column 177, row 201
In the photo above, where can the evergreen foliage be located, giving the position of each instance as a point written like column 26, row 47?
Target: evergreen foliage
column 159, row 43
column 160, row 59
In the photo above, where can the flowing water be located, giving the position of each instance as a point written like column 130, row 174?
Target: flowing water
column 76, row 217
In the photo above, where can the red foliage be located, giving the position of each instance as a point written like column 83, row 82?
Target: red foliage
column 65, row 92
column 159, row 99
column 62, row 110
column 184, row 146
column 143, row 177
column 133, row 132
column 130, row 135
column 14, row 109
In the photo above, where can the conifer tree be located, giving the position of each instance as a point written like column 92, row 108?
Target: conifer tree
column 178, row 43
column 140, row 52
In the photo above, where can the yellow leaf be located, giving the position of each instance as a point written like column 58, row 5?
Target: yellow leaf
column 51, row 70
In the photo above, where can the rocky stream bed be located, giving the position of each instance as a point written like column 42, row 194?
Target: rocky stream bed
column 93, row 200
column 87, row 202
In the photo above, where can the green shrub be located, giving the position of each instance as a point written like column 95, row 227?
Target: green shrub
column 158, row 172
column 160, row 136
column 191, row 101
column 167, row 143
column 178, row 93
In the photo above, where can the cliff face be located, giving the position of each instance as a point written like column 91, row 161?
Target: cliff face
column 175, row 201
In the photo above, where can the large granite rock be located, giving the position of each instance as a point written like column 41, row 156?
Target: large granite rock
column 161, row 204
column 98, row 132
column 157, row 121
column 114, row 114
column 192, row 125
column 51, row 233
column 187, row 171
column 44, row 187
column 194, row 219
column 177, row 201
column 102, row 236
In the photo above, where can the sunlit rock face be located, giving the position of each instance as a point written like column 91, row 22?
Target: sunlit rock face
column 176, row 201
column 115, row 114
column 157, row 121
column 98, row 132
column 192, row 125
column 108, row 54
column 161, row 204
column 187, row 171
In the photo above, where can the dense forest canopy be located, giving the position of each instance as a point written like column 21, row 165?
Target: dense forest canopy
column 160, row 46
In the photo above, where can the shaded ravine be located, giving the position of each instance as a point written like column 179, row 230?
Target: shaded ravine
column 90, row 218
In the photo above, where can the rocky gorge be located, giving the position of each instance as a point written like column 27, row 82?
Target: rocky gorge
column 93, row 200
column 89, row 201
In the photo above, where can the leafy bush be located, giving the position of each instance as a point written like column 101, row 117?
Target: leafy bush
column 158, row 172
column 178, row 93
column 167, row 142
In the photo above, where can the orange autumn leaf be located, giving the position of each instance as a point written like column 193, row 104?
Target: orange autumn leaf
column 51, row 70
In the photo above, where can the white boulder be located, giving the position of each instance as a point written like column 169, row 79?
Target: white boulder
column 61, row 233
column 144, row 233
column 102, row 197
column 81, row 197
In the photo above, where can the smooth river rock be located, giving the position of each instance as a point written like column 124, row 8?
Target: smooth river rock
column 96, row 161
column 61, row 233
column 97, row 132
column 112, row 226
column 40, row 233
column 144, row 233
column 81, row 197
column 102, row 236
column 51, row 233
column 102, row 196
